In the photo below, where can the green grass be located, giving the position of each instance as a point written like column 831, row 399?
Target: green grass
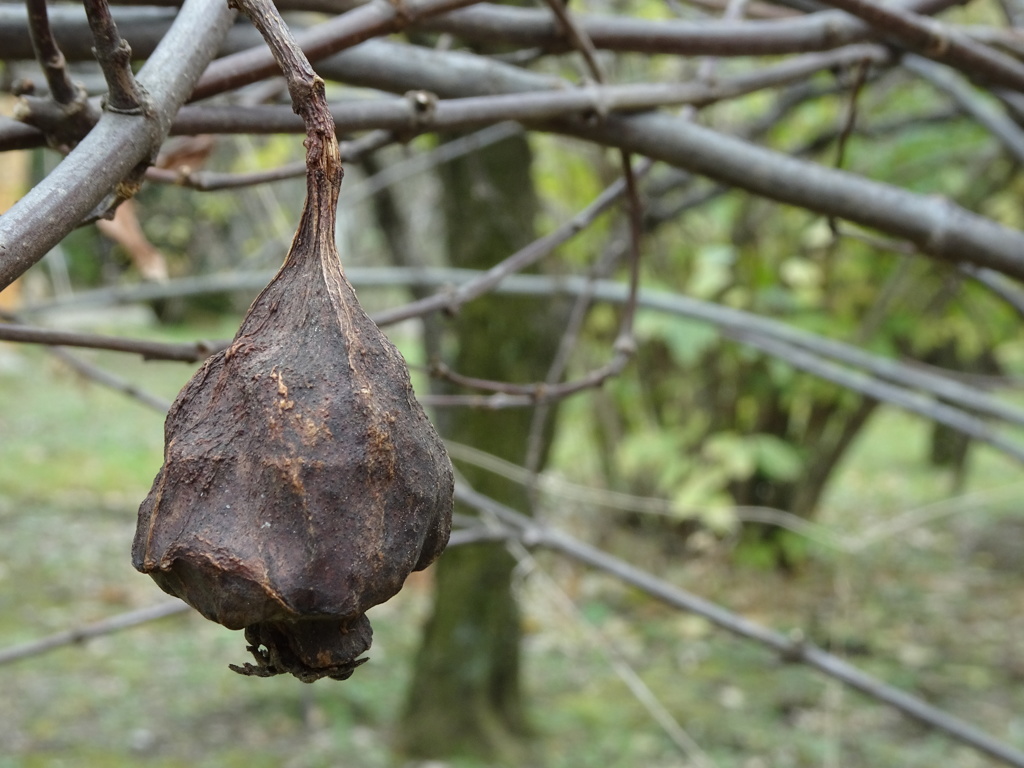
column 921, row 608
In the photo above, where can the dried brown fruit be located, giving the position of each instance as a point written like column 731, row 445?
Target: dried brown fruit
column 302, row 482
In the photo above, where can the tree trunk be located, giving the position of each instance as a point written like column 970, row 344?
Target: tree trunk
column 465, row 696
column 950, row 449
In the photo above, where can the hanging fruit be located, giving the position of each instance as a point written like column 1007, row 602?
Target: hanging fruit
column 301, row 482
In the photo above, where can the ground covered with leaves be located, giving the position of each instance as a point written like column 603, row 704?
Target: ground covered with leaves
column 910, row 581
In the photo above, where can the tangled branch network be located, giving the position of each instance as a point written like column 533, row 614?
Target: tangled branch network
column 205, row 73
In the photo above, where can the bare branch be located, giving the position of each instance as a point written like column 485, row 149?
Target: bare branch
column 145, row 27
column 109, row 380
column 331, row 36
column 1009, row 292
column 938, row 41
column 116, row 146
column 888, row 393
column 17, row 135
column 523, row 27
column 205, row 181
column 793, row 648
column 973, row 103
column 529, row 27
column 96, row 629
column 49, row 55
column 75, row 115
column 577, row 38
column 406, row 115
column 114, row 56
column 517, row 262
column 149, row 350
column 938, row 227
column 740, row 325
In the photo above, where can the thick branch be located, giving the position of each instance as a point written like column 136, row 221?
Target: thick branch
column 115, row 146
column 528, row 27
column 413, row 116
column 936, row 226
column 145, row 27
column 938, row 41
column 489, row 23
column 317, row 42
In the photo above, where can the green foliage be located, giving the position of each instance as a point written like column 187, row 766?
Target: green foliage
column 568, row 176
column 686, row 340
column 709, row 424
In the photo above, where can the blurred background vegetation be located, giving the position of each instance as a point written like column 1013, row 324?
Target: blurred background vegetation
column 890, row 541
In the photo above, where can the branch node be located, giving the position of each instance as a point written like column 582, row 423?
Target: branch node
column 601, row 106
column 402, row 14
column 64, row 124
column 797, row 650
column 423, row 105
column 125, row 95
column 940, row 39
column 125, row 189
column 625, row 345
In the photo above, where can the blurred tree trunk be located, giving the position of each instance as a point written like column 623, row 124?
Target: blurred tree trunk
column 465, row 696
column 950, row 449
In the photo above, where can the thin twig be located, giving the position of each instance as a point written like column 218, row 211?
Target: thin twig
column 346, row 30
column 114, row 55
column 520, row 260
column 54, row 67
column 973, row 103
column 149, row 350
column 89, row 631
column 938, row 41
column 210, row 181
column 742, row 325
column 549, row 391
column 600, row 640
column 560, row 362
column 793, row 649
column 207, row 181
column 111, row 381
column 850, row 118
column 577, row 38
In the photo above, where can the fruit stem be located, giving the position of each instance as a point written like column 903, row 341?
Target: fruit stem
column 323, row 159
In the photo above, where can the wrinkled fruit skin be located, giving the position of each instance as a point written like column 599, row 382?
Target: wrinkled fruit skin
column 302, row 482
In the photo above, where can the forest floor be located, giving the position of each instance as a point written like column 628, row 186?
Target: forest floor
column 925, row 589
